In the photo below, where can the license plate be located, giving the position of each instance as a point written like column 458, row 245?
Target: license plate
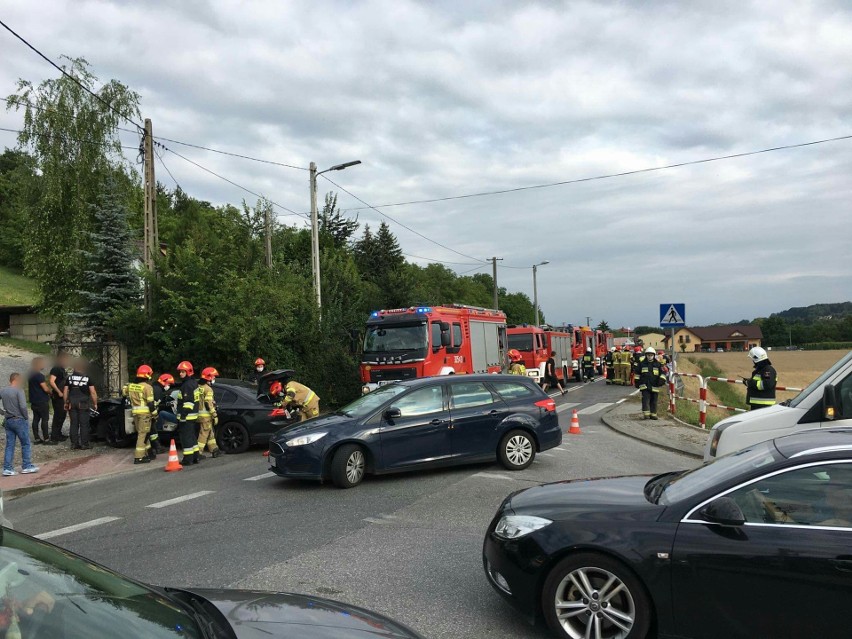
column 385, row 382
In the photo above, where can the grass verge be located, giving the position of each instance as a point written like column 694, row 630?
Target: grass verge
column 26, row 345
column 16, row 289
column 725, row 392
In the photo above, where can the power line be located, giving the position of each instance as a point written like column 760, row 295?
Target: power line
column 478, row 268
column 432, row 259
column 236, row 155
column 160, row 158
column 395, row 221
column 69, row 76
column 231, row 182
column 608, row 175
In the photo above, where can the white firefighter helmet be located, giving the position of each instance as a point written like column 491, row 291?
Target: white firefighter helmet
column 612, row 349
column 758, row 354
column 650, row 351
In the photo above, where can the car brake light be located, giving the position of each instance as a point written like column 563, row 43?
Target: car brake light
column 278, row 412
column 547, row 404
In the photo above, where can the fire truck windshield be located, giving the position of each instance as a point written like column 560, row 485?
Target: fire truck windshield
column 521, row 341
column 384, row 339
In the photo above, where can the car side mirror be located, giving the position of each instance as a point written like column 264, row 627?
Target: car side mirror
column 393, row 413
column 723, row 511
column 829, row 403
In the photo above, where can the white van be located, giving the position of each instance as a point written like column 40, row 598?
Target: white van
column 826, row 402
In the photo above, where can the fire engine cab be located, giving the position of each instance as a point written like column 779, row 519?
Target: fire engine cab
column 423, row 341
column 535, row 346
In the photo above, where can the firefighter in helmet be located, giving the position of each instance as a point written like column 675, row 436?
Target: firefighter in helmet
column 609, row 363
column 649, row 379
column 588, row 365
column 141, row 396
column 296, row 395
column 622, row 366
column 164, row 407
column 259, row 370
column 760, row 386
column 207, row 417
column 188, row 413
column 516, row 366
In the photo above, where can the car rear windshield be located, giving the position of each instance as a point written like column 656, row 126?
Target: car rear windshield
column 674, row 487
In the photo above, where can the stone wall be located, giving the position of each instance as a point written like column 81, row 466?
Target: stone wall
column 33, row 327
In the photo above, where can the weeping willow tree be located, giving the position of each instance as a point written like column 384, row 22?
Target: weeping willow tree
column 73, row 138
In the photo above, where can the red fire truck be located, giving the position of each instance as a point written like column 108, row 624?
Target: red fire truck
column 422, row 341
column 535, row 345
column 603, row 342
column 584, row 337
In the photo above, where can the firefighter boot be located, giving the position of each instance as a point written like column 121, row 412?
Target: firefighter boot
column 144, row 460
column 217, row 453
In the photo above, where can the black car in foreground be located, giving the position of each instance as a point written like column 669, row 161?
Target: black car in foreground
column 48, row 592
column 422, row 423
column 757, row 545
column 246, row 416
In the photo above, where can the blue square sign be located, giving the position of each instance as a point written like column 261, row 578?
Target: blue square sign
column 672, row 315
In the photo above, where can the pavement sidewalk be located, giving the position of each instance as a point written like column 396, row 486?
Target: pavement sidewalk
column 70, row 470
column 626, row 418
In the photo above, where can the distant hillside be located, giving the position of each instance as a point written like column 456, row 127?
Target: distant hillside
column 814, row 312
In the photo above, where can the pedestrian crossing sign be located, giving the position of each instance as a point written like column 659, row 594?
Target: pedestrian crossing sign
column 672, row 315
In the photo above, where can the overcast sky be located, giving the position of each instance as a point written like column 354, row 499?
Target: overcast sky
column 445, row 98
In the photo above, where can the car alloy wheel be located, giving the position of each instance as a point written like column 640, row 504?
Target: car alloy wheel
column 519, row 450
column 593, row 603
column 355, row 465
column 233, row 438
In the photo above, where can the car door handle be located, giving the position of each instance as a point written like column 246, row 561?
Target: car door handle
column 437, row 422
column 491, row 412
column 844, row 563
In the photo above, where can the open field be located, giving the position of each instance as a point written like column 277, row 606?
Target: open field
column 15, row 289
column 795, row 368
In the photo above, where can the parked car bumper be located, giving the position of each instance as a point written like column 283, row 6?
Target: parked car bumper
column 304, row 462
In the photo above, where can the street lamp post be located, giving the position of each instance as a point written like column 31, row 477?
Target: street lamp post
column 535, row 288
column 315, row 254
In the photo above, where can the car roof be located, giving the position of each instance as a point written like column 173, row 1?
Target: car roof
column 476, row 377
column 835, row 441
column 240, row 388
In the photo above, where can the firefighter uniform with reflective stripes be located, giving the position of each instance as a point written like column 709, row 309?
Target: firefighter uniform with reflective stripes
column 188, row 418
column 141, row 396
column 296, row 394
column 622, row 368
column 517, row 368
column 649, row 379
column 609, row 365
column 761, row 386
column 588, row 366
column 207, row 417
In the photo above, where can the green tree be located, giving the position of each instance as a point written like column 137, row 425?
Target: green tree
column 17, row 181
column 109, row 283
column 603, row 326
column 335, row 228
column 73, row 139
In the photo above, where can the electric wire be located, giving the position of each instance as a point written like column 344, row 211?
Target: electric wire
column 432, row 259
column 70, row 77
column 609, row 175
column 395, row 221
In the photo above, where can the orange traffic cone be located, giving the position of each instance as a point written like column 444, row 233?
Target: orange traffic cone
column 575, row 424
column 173, row 463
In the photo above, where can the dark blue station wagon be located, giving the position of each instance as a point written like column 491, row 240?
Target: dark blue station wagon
column 422, row 423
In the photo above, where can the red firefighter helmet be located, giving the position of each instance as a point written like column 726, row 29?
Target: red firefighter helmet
column 515, row 355
column 618, row 348
column 145, row 371
column 259, row 362
column 209, row 374
column 637, row 349
column 275, row 388
column 186, row 367
column 166, row 379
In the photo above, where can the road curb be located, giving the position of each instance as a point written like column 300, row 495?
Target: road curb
column 14, row 493
column 626, row 433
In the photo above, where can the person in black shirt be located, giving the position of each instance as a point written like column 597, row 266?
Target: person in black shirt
column 39, row 401
column 56, row 381
column 80, row 398
column 550, row 378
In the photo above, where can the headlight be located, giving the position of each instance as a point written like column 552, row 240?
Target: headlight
column 305, row 439
column 714, row 442
column 515, row 526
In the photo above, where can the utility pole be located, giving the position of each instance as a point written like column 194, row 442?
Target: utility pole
column 588, row 321
column 535, row 289
column 315, row 261
column 267, row 223
column 151, row 241
column 494, row 261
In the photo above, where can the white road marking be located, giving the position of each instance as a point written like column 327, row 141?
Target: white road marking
column 178, row 500
column 544, row 455
column 563, row 407
column 493, row 476
column 381, row 519
column 76, row 527
column 561, row 450
column 258, row 477
column 594, row 408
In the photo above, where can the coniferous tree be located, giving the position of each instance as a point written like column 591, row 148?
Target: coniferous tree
column 333, row 225
column 109, row 283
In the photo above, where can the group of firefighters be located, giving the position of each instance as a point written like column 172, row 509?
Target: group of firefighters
column 193, row 407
